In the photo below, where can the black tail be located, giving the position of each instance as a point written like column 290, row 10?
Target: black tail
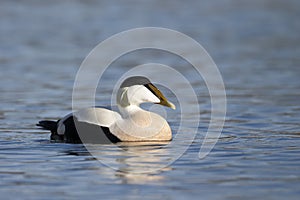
column 48, row 125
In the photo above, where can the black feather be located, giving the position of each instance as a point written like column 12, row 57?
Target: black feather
column 52, row 126
column 48, row 125
column 90, row 133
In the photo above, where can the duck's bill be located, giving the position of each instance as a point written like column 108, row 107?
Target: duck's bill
column 168, row 104
column 162, row 98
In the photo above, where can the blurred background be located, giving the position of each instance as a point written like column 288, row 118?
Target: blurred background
column 255, row 44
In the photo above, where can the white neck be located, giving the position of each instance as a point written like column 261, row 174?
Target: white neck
column 130, row 98
column 129, row 110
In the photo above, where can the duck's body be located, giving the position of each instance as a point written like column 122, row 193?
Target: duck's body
column 100, row 125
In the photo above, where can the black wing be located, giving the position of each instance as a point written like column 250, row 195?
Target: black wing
column 89, row 133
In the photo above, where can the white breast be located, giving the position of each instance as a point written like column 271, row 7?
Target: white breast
column 142, row 126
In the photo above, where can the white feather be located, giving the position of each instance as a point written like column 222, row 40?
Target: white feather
column 97, row 116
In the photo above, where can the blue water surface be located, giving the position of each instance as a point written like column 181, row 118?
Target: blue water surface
column 256, row 47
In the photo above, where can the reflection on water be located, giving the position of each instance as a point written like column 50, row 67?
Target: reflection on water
column 255, row 45
column 132, row 163
column 134, row 158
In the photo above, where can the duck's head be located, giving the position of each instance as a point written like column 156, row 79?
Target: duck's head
column 138, row 89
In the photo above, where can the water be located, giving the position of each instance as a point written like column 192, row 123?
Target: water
column 256, row 46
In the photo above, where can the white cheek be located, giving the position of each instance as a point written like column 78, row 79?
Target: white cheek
column 139, row 94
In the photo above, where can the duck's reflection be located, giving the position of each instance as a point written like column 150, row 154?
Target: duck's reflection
column 134, row 162
column 130, row 178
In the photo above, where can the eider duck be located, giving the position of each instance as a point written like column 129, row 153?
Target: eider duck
column 132, row 124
